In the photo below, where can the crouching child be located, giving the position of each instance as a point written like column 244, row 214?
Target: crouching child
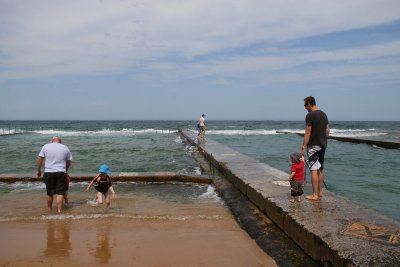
column 103, row 185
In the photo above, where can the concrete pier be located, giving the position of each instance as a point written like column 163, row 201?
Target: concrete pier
column 9, row 134
column 333, row 230
column 383, row 144
column 117, row 177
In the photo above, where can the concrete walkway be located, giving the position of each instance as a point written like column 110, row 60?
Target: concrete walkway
column 383, row 144
column 116, row 177
column 333, row 230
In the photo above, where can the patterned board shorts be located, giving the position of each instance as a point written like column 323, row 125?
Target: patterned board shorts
column 315, row 158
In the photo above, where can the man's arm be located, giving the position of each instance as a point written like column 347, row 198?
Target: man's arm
column 39, row 162
column 306, row 139
column 67, row 164
column 328, row 130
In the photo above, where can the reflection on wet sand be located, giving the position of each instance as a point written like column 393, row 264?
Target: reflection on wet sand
column 102, row 251
column 59, row 245
column 58, row 241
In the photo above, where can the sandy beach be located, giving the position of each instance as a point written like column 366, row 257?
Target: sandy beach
column 128, row 242
column 147, row 225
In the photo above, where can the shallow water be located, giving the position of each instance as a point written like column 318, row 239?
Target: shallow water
column 148, row 224
column 368, row 175
column 363, row 173
column 159, row 201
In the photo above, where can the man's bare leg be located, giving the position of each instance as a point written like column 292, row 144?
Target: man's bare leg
column 315, row 186
column 60, row 199
column 49, row 202
column 66, row 198
column 321, row 177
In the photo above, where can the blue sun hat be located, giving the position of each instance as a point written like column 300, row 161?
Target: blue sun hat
column 104, row 168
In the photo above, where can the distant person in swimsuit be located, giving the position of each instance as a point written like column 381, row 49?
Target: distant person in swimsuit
column 103, row 185
column 296, row 176
column 57, row 159
column 315, row 140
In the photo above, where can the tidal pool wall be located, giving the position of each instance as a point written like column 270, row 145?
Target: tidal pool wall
column 333, row 230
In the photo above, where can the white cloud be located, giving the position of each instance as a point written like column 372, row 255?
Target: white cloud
column 45, row 38
column 339, row 63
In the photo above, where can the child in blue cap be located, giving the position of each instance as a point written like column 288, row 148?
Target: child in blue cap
column 104, row 185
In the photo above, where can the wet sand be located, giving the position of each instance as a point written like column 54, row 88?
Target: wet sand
column 147, row 225
column 129, row 242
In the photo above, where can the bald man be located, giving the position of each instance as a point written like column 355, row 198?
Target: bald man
column 57, row 158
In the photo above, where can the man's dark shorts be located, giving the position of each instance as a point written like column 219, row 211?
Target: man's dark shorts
column 56, row 183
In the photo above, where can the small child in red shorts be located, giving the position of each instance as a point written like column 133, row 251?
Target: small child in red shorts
column 296, row 177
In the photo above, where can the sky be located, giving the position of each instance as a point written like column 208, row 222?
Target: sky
column 178, row 59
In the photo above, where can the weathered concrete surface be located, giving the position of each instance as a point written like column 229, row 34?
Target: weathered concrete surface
column 117, row 177
column 265, row 233
column 334, row 230
column 383, row 144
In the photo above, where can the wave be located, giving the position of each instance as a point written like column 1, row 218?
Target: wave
column 22, row 186
column 211, row 194
column 61, row 217
column 243, row 132
column 105, row 131
column 354, row 133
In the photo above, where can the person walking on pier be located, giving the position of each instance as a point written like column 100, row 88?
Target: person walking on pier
column 202, row 123
column 315, row 140
column 57, row 158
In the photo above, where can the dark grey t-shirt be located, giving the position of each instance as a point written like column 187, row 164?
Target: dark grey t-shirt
column 318, row 121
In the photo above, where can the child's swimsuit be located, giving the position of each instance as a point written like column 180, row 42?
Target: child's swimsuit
column 103, row 184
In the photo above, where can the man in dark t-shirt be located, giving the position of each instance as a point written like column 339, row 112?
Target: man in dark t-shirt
column 315, row 140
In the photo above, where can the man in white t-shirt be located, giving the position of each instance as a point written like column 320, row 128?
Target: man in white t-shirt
column 202, row 123
column 57, row 158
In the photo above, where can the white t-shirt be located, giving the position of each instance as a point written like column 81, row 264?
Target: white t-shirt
column 201, row 121
column 56, row 156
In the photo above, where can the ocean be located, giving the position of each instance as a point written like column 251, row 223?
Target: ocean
column 366, row 174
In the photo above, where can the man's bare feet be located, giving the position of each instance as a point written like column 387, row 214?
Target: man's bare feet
column 312, row 197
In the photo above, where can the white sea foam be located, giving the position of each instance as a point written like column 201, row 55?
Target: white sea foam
column 61, row 217
column 8, row 131
column 243, row 132
column 211, row 194
column 178, row 139
column 23, row 186
column 197, row 170
column 105, row 131
column 356, row 133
